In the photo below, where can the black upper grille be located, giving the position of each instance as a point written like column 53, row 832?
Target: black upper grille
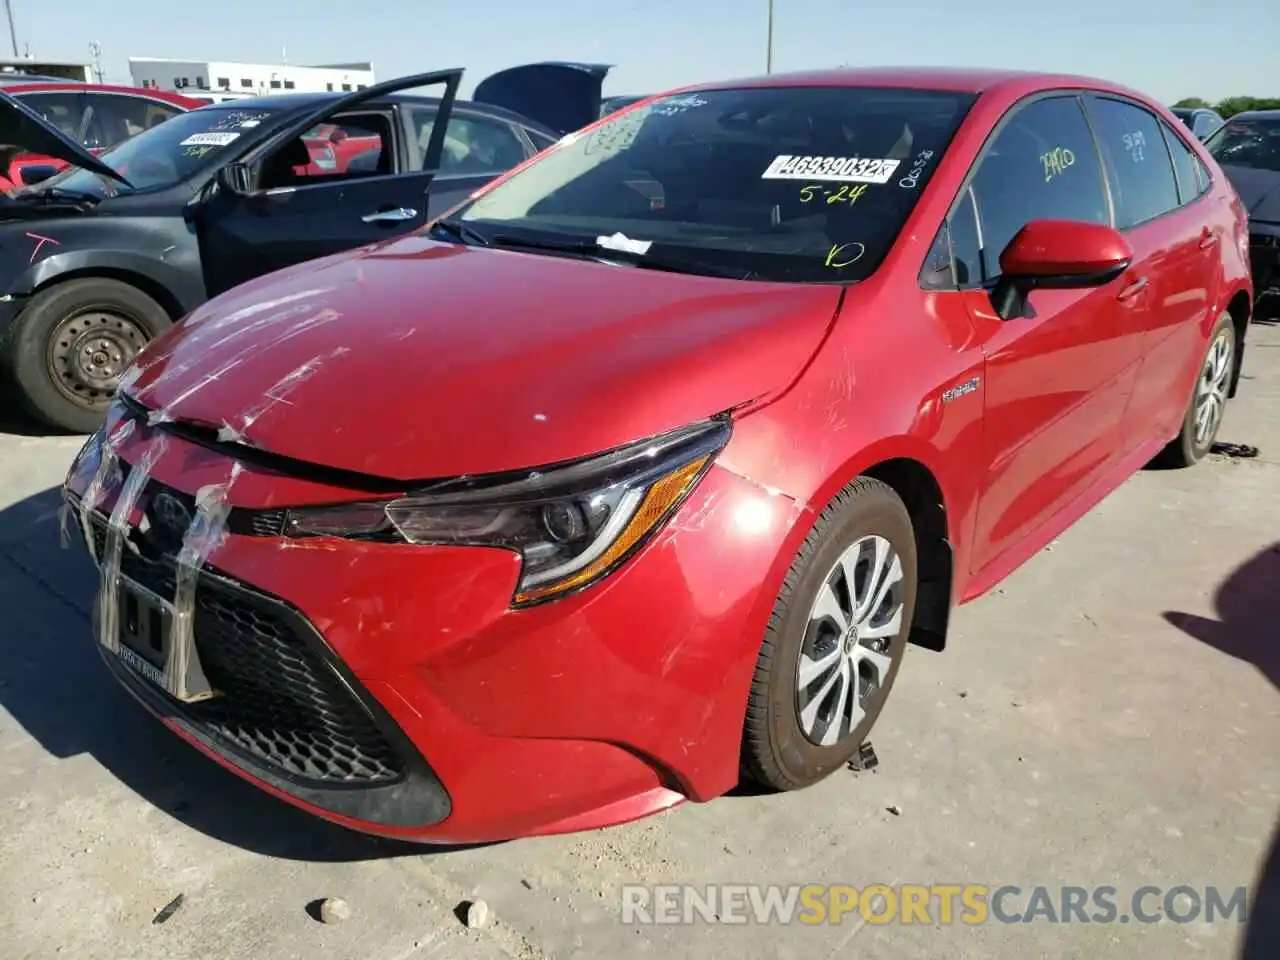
column 280, row 701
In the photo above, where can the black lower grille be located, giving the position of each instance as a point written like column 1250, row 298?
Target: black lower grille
column 279, row 701
column 1264, row 262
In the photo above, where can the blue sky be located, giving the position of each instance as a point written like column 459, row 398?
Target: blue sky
column 1186, row 48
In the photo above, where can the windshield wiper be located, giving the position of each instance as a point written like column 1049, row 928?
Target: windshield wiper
column 61, row 195
column 463, row 232
column 681, row 265
column 643, row 261
column 543, row 243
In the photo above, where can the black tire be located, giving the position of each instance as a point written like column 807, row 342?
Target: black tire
column 776, row 752
column 50, row 354
column 1185, row 450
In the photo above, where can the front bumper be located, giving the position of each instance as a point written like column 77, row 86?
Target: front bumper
column 392, row 689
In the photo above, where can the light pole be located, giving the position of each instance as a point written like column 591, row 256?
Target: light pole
column 13, row 32
column 768, row 52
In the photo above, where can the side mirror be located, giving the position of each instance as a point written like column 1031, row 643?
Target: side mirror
column 236, row 178
column 1058, row 255
column 338, row 135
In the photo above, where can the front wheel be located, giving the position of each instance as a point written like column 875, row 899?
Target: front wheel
column 1208, row 400
column 835, row 641
column 68, row 349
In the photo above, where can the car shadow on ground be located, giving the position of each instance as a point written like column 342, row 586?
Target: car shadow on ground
column 1248, row 607
column 17, row 423
column 56, row 687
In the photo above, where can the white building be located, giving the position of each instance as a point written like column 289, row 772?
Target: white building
column 225, row 79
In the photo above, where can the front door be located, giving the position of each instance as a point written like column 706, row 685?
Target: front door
column 332, row 181
column 1056, row 380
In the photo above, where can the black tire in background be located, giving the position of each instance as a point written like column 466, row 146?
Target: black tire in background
column 64, row 354
column 777, row 753
column 1187, row 449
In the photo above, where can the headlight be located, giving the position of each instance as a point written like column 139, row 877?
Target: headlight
column 571, row 523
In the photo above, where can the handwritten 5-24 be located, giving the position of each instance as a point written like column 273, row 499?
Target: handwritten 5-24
column 848, row 193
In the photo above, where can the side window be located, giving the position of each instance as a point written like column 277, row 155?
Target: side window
column 966, row 240
column 358, row 145
column 66, row 111
column 1202, row 175
column 540, row 140
column 1041, row 165
column 1137, row 160
column 116, row 118
column 480, row 145
column 1185, row 163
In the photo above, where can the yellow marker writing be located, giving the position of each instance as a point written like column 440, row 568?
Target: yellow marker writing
column 842, row 255
column 1056, row 161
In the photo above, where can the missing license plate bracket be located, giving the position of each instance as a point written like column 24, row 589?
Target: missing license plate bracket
column 145, row 644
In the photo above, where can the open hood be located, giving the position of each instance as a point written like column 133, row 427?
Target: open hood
column 564, row 96
column 22, row 130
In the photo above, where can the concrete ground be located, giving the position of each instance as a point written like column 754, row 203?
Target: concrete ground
column 1111, row 716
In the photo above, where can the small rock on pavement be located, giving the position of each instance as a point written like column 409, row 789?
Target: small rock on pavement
column 894, row 809
column 334, row 910
column 475, row 914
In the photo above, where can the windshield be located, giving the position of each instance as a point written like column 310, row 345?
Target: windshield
column 796, row 184
column 169, row 152
column 1183, row 114
column 1248, row 142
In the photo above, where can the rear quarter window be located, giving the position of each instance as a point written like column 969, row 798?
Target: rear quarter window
column 1143, row 184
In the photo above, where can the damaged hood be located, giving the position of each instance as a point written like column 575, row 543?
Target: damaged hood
column 22, row 130
column 417, row 360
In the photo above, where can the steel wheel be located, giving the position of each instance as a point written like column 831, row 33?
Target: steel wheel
column 844, row 660
column 89, row 352
column 1211, row 390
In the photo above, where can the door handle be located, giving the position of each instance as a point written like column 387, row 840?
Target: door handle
column 1133, row 289
column 390, row 216
column 1208, row 239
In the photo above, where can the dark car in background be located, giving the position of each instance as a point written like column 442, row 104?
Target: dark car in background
column 98, row 261
column 1247, row 148
column 1200, row 120
column 97, row 116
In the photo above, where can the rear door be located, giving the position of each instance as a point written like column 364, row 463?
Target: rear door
column 1175, row 240
column 1057, row 381
column 297, row 206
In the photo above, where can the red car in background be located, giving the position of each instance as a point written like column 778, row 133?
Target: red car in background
column 642, row 468
column 99, row 116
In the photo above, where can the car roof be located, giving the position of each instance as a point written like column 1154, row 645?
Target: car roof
column 951, row 79
column 313, row 100
column 19, row 85
column 1257, row 115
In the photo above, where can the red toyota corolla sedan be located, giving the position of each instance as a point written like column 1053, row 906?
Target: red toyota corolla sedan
column 642, row 468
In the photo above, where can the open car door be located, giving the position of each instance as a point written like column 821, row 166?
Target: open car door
column 275, row 207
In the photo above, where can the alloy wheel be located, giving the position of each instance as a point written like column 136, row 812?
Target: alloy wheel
column 1211, row 390
column 844, row 659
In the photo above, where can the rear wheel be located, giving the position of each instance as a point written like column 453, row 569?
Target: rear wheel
column 835, row 640
column 67, row 351
column 1208, row 400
